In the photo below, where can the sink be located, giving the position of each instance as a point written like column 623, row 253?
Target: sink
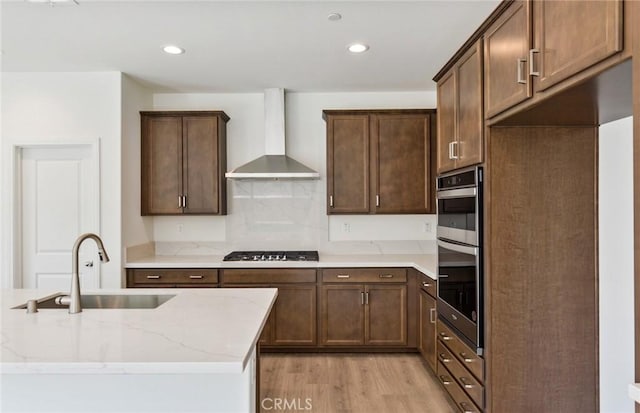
column 106, row 301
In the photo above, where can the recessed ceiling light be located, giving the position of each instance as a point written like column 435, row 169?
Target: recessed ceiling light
column 358, row 48
column 173, row 49
column 334, row 17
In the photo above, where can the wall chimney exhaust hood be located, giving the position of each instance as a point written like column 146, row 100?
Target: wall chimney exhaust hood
column 274, row 164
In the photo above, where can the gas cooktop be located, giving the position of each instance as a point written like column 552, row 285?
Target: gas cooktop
column 272, row 256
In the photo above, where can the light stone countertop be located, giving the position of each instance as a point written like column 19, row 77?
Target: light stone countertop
column 197, row 331
column 634, row 392
column 425, row 263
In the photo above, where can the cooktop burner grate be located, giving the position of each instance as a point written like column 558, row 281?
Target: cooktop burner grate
column 272, row 256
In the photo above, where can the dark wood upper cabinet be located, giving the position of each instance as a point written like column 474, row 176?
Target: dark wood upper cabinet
column 506, row 59
column 380, row 162
column 570, row 36
column 183, row 163
column 460, row 116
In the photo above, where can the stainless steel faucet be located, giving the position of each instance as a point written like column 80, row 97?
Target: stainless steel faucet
column 73, row 299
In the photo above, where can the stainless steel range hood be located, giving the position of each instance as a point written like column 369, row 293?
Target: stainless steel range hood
column 275, row 164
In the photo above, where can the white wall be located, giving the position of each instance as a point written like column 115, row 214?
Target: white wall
column 616, row 266
column 65, row 107
column 136, row 229
column 281, row 211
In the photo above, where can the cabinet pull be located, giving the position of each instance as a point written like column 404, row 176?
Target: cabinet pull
column 532, row 72
column 454, row 151
column 343, row 276
column 386, row 275
column 466, row 383
column 331, row 201
column 366, row 298
column 179, row 201
column 362, row 298
column 443, row 357
column 465, row 408
column 445, row 380
column 377, row 200
column 432, row 315
column 153, row 277
column 464, row 357
column 196, row 277
column 451, row 150
column 184, row 201
column 520, row 78
column 444, row 336
column 426, row 284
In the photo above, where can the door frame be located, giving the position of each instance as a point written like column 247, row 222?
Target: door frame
column 13, row 248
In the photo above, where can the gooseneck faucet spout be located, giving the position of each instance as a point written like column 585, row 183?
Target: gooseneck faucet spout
column 73, row 300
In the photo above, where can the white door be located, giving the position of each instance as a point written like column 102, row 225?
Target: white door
column 59, row 201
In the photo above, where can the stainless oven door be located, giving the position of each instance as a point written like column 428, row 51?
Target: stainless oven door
column 458, row 215
column 460, row 290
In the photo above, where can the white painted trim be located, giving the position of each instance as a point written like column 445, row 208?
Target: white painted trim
column 14, row 250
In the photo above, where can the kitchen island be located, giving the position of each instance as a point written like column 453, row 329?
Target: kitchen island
column 195, row 352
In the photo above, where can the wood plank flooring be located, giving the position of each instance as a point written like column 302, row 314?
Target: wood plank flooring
column 350, row 383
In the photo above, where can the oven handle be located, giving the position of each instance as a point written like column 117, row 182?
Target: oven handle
column 457, row 193
column 458, row 248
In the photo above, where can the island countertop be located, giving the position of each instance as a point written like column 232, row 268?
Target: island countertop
column 425, row 263
column 197, row 331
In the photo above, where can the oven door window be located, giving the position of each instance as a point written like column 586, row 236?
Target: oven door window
column 457, row 279
column 458, row 213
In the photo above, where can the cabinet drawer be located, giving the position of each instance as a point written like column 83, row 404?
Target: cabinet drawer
column 461, row 351
column 465, row 379
column 463, row 402
column 429, row 285
column 268, row 276
column 362, row 275
column 177, row 276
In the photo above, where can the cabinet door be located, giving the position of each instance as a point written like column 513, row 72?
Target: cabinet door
column 447, row 114
column 342, row 315
column 386, row 315
column 161, row 164
column 506, row 54
column 294, row 315
column 470, row 119
column 427, row 337
column 347, row 164
column 401, row 160
column 573, row 35
column 200, row 165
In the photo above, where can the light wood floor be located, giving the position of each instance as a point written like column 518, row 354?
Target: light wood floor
column 351, row 383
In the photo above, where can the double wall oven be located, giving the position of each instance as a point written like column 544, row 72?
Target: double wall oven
column 460, row 263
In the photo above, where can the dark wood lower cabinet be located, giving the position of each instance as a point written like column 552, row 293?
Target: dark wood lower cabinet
column 427, row 329
column 293, row 319
column 369, row 315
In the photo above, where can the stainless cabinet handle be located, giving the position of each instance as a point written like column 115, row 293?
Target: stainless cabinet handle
column 445, row 380
column 343, row 276
column 362, row 298
column 466, row 383
column 466, row 408
column 153, row 277
column 179, row 201
column 520, row 78
column 432, row 315
column 377, row 200
column 184, row 201
column 455, row 152
column 464, row 357
column 532, row 72
column 451, row 150
column 386, row 275
column 366, row 298
column 331, row 201
column 196, row 277
column 443, row 357
column 445, row 337
column 426, row 284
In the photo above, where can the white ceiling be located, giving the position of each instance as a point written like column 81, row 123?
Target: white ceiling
column 243, row 46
